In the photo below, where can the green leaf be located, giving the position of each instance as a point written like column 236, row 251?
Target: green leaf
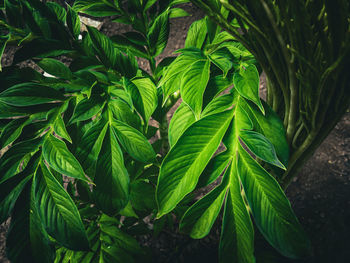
column 73, row 22
column 27, row 94
column 58, row 212
column 57, row 155
column 55, row 68
column 158, row 34
column 183, row 117
column 261, row 147
column 214, row 168
column 271, row 126
column 111, row 192
column 222, row 58
column 27, row 240
column 103, row 46
column 90, row 145
column 200, row 217
column 237, row 234
column 142, row 195
column 193, row 84
column 58, row 10
column 148, row 92
column 12, row 158
column 134, row 142
column 247, row 85
column 59, row 128
column 40, row 48
column 171, row 80
column 185, row 162
column 3, row 42
column 178, row 12
column 271, row 209
column 12, row 131
column 10, row 189
column 86, row 109
column 218, row 104
column 196, row 34
column 122, row 112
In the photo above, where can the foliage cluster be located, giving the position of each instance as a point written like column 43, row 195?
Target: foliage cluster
column 84, row 168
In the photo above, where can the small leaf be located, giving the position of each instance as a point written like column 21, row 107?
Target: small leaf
column 193, row 84
column 247, row 85
column 27, row 94
column 59, row 128
column 218, row 104
column 261, row 147
column 58, row 212
column 56, row 68
column 12, row 158
column 200, row 217
column 178, row 12
column 271, row 126
column 57, row 155
column 134, row 142
column 12, row 131
column 183, row 117
column 148, row 92
column 185, row 162
column 86, row 109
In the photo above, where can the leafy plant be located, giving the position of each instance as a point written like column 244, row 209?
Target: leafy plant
column 82, row 165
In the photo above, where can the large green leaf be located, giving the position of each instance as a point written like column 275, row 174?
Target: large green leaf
column 58, row 212
column 111, row 192
column 122, row 112
column 158, row 34
column 134, row 142
column 247, row 85
column 196, row 34
column 103, row 46
column 200, row 217
column 193, row 84
column 185, row 162
column 57, row 155
column 27, row 240
column 55, row 68
column 271, row 209
column 237, row 234
column 26, row 94
column 181, row 120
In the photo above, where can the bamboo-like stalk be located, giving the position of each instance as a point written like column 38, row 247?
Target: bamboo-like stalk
column 304, row 49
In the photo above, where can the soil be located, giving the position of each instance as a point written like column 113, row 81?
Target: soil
column 320, row 195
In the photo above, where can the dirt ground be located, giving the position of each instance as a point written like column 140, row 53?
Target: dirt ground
column 320, row 195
